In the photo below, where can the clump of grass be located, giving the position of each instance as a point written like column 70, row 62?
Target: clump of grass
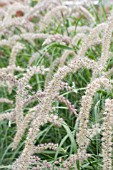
column 55, row 86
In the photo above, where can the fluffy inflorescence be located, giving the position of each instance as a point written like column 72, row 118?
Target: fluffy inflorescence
column 16, row 30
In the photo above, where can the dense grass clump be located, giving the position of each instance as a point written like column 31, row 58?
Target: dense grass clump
column 56, row 86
